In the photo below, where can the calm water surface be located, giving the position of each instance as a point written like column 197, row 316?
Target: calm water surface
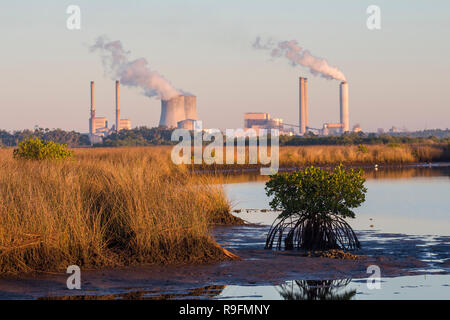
column 412, row 201
column 407, row 211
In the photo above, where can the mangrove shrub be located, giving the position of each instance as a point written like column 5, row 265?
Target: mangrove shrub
column 313, row 204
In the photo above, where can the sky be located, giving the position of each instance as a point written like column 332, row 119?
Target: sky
column 398, row 75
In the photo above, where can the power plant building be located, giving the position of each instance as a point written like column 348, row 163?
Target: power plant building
column 188, row 124
column 262, row 120
column 124, row 124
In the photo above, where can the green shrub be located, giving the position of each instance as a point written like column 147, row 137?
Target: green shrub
column 35, row 149
column 362, row 148
column 313, row 204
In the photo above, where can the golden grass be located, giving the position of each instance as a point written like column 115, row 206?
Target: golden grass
column 301, row 156
column 376, row 154
column 107, row 207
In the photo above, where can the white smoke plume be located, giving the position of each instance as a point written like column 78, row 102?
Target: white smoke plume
column 133, row 73
column 300, row 56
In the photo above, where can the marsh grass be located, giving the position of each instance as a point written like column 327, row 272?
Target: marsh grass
column 303, row 156
column 106, row 207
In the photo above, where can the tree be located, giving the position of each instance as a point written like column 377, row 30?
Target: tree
column 313, row 204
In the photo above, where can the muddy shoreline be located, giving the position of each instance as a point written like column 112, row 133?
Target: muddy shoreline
column 256, row 267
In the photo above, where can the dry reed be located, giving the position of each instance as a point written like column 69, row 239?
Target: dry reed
column 107, row 207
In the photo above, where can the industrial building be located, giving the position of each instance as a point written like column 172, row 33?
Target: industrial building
column 331, row 129
column 98, row 126
column 262, row 120
column 178, row 109
column 188, row 124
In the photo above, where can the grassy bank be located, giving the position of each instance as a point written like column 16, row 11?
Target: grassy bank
column 363, row 154
column 105, row 208
column 302, row 156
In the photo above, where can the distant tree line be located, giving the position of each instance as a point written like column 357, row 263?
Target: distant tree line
column 363, row 138
column 143, row 136
column 71, row 138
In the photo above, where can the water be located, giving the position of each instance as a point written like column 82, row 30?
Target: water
column 406, row 213
column 417, row 204
column 432, row 287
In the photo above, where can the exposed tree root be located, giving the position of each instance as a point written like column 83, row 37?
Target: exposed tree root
column 319, row 233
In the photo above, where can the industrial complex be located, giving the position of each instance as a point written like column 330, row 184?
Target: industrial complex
column 327, row 128
column 260, row 120
column 98, row 126
column 181, row 112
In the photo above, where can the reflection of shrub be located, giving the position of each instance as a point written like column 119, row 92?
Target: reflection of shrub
column 316, row 290
column 35, row 149
column 314, row 203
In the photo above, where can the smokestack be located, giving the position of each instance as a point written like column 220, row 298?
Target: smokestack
column 92, row 119
column 190, row 107
column 305, row 102
column 172, row 111
column 303, row 105
column 117, row 107
column 343, row 95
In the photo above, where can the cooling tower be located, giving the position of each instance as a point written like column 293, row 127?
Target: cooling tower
column 172, row 111
column 303, row 104
column 190, row 107
column 343, row 100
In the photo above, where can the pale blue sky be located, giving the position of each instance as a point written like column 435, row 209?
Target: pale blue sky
column 397, row 76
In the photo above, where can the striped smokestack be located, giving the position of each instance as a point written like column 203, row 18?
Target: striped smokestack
column 117, row 107
column 92, row 119
column 303, row 104
column 343, row 101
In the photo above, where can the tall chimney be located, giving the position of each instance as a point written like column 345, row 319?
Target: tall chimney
column 305, row 102
column 92, row 119
column 343, row 100
column 117, row 107
column 303, row 105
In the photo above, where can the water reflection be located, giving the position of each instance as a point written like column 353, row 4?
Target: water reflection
column 208, row 292
column 412, row 171
column 316, row 290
